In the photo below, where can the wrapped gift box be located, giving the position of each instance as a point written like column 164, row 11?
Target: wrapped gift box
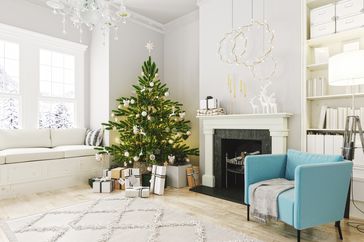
column 103, row 186
column 176, row 175
column 158, row 179
column 131, row 177
column 131, row 192
column 106, row 173
column 212, row 103
column 116, row 174
column 193, row 176
column 142, row 192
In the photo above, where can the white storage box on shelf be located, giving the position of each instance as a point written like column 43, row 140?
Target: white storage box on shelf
column 322, row 29
column 322, row 21
column 322, row 15
column 45, row 160
column 346, row 8
column 348, row 23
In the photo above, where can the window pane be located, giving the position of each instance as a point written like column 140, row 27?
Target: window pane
column 69, row 62
column 56, row 115
column 69, row 91
column 59, row 70
column 69, row 76
column 9, row 113
column 45, row 88
column 57, row 74
column 11, row 67
column 11, row 51
column 45, row 57
column 45, row 73
column 57, row 90
column 2, row 52
column 57, row 59
column 8, row 84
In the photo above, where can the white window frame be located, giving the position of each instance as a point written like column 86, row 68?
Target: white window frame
column 30, row 44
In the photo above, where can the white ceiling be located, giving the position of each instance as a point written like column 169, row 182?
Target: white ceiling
column 162, row 11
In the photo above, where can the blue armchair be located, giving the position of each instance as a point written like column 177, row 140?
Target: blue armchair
column 321, row 186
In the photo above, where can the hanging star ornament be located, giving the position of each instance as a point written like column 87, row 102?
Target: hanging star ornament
column 149, row 46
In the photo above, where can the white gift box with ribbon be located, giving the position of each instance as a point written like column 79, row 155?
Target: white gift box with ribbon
column 158, row 179
column 137, row 192
column 102, row 185
column 131, row 178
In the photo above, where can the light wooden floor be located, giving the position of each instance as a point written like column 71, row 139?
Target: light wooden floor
column 204, row 207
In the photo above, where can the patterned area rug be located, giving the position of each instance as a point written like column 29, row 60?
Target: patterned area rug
column 117, row 219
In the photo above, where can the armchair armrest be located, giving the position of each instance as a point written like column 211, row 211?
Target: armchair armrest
column 320, row 193
column 262, row 167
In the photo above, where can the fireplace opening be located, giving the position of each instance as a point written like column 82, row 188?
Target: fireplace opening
column 233, row 153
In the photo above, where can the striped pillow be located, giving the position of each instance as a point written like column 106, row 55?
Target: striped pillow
column 94, row 137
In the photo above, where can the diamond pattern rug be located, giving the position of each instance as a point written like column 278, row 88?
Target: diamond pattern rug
column 117, row 219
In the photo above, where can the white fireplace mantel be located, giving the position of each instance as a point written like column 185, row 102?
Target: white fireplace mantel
column 277, row 124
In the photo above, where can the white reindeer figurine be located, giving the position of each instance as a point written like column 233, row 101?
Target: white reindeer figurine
column 255, row 107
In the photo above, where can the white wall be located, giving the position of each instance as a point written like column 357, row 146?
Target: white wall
column 37, row 18
column 99, row 82
column 181, row 67
column 284, row 16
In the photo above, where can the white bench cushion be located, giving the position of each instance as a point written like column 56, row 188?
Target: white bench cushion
column 75, row 136
column 76, row 150
column 2, row 159
column 24, row 138
column 30, row 154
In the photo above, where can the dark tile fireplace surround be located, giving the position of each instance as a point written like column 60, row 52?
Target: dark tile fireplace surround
column 228, row 144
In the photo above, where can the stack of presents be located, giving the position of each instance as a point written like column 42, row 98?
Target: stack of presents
column 130, row 180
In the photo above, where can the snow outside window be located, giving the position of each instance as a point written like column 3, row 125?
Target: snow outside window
column 57, row 90
column 9, row 85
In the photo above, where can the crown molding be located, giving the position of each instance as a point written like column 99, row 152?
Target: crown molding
column 146, row 22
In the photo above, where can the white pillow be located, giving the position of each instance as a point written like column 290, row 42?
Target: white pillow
column 73, row 136
column 24, row 138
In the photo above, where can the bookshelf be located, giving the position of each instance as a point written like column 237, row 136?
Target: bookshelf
column 333, row 97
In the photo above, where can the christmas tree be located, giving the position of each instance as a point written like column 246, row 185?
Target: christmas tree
column 151, row 128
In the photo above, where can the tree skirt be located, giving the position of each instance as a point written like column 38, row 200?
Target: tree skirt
column 117, row 219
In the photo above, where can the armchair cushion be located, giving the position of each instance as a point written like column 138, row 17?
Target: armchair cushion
column 296, row 158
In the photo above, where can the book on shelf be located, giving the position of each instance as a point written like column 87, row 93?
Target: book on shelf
column 322, row 117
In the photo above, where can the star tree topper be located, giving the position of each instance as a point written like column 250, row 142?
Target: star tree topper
column 149, row 46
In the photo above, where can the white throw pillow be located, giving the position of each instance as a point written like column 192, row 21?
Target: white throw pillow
column 24, row 138
column 73, row 136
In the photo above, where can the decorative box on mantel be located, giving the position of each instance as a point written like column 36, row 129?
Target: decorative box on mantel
column 276, row 123
column 176, row 176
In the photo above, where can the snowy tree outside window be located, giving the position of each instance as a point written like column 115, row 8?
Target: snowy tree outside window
column 9, row 85
column 56, row 115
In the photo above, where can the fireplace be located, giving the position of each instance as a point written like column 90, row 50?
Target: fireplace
column 233, row 134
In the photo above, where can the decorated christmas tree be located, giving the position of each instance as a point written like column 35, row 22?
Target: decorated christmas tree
column 150, row 127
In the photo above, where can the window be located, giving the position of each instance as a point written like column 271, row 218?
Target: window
column 9, row 85
column 57, row 90
column 41, row 80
